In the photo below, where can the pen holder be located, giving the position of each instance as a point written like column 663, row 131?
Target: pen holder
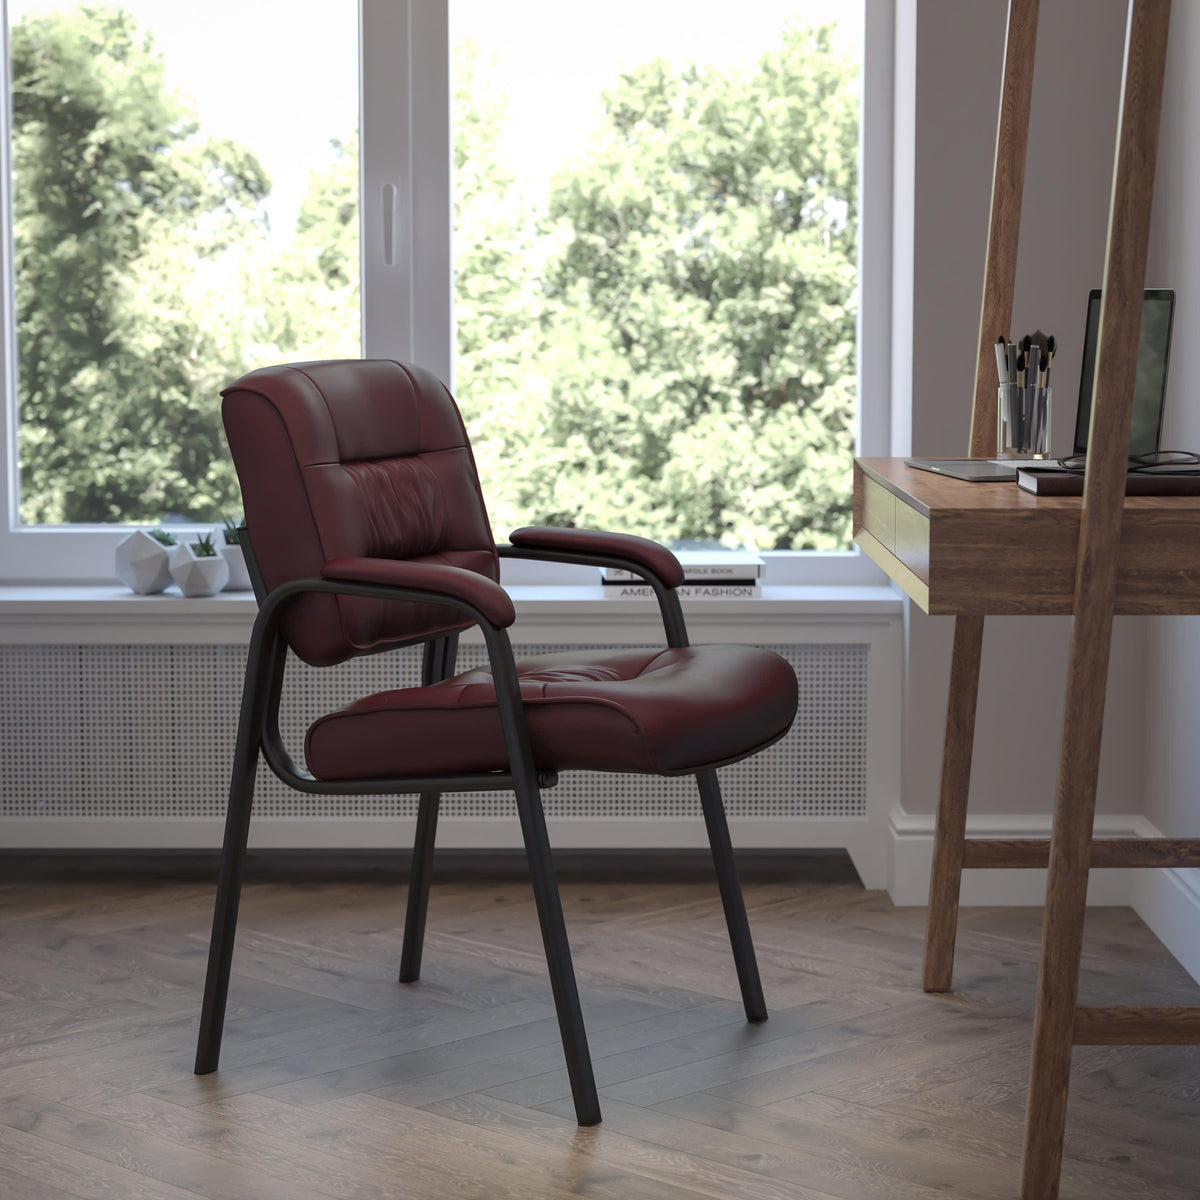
column 1023, row 419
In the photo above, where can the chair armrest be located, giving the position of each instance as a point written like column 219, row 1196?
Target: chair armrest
column 640, row 552
column 489, row 607
column 489, row 598
column 655, row 563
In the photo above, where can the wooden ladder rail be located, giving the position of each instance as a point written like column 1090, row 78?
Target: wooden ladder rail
column 1070, row 853
column 987, row 853
column 999, row 278
column 1057, row 1022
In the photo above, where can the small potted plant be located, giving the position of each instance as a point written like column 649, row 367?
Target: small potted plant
column 143, row 561
column 198, row 568
column 232, row 553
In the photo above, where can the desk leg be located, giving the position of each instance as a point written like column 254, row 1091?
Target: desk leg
column 946, row 878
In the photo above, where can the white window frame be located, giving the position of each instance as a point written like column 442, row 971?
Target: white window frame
column 405, row 181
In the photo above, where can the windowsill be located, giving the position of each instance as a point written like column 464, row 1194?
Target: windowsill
column 111, row 614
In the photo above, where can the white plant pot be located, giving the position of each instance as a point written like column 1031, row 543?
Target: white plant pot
column 143, row 564
column 198, row 576
column 239, row 576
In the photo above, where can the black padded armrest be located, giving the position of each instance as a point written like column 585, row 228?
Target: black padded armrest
column 652, row 557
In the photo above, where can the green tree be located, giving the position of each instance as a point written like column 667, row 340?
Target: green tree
column 309, row 307
column 501, row 378
column 708, row 248
column 124, row 219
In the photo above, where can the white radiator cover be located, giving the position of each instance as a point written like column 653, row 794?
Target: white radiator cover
column 129, row 746
column 147, row 731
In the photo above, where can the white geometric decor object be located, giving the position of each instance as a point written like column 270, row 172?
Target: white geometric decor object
column 198, row 575
column 239, row 576
column 143, row 564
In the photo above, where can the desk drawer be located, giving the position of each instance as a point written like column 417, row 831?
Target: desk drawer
column 898, row 527
column 879, row 514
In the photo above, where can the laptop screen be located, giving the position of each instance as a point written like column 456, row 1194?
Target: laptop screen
column 1154, row 348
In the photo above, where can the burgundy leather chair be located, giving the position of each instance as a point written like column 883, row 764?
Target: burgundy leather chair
column 366, row 531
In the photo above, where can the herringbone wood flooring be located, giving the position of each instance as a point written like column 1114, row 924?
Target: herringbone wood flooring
column 338, row 1082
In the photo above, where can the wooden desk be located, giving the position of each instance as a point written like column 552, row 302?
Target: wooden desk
column 973, row 549
column 977, row 549
column 983, row 549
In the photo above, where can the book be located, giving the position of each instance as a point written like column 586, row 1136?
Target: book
column 686, row 591
column 1150, row 482
column 704, row 566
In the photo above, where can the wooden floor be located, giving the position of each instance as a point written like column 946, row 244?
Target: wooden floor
column 338, row 1082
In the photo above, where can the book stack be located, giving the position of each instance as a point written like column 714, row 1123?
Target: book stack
column 707, row 575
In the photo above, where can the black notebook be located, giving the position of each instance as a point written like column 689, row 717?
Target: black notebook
column 1159, row 482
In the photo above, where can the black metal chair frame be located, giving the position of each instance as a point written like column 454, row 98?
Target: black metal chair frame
column 258, row 730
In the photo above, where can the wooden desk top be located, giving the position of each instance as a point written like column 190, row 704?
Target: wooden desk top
column 991, row 548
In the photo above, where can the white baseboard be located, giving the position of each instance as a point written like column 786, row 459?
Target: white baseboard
column 1168, row 900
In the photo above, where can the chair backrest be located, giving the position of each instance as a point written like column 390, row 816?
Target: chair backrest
column 355, row 459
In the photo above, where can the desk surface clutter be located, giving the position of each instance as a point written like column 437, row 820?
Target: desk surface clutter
column 992, row 548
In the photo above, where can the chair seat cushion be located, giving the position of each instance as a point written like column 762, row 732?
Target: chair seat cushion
column 663, row 712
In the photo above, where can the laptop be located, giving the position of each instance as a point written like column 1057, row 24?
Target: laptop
column 1150, row 391
column 1149, row 395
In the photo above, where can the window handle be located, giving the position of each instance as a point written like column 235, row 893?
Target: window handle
column 390, row 203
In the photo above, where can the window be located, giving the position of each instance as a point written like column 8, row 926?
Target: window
column 655, row 265
column 648, row 313
column 171, row 231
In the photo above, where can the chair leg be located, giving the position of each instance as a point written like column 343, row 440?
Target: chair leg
column 945, row 881
column 418, row 887
column 541, row 868
column 233, row 854
column 437, row 664
column 558, row 950
column 731, row 897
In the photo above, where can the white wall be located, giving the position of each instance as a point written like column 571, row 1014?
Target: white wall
column 1173, row 643
column 1172, row 792
column 955, row 101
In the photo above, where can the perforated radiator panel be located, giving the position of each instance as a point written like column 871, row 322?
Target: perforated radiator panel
column 133, row 731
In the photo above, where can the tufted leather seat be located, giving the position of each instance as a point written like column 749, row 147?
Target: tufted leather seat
column 662, row 712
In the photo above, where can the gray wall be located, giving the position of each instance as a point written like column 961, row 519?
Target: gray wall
column 955, row 98
column 1173, row 643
